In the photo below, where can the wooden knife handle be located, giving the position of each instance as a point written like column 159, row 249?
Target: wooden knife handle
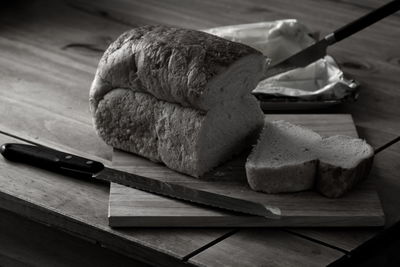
column 364, row 21
column 51, row 159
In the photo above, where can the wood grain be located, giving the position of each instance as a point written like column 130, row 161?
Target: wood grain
column 265, row 247
column 35, row 244
column 51, row 129
column 81, row 208
column 130, row 207
column 386, row 171
column 344, row 239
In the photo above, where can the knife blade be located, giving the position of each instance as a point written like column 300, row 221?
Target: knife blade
column 83, row 168
column 301, row 59
column 318, row 50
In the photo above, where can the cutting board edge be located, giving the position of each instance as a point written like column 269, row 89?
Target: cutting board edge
column 230, row 221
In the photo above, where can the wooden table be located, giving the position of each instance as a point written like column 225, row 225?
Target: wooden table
column 49, row 52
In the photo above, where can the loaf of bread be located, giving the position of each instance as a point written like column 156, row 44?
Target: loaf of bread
column 290, row 158
column 177, row 96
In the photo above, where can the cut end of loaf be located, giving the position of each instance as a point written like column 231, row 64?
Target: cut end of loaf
column 228, row 130
column 235, row 82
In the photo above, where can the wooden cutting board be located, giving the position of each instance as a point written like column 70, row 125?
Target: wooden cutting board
column 131, row 207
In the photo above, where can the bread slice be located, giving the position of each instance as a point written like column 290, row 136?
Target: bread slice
column 290, row 158
column 343, row 162
column 177, row 96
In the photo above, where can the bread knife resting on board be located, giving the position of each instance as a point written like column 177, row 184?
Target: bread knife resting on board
column 87, row 169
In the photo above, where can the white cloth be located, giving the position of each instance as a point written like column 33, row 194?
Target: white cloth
column 321, row 80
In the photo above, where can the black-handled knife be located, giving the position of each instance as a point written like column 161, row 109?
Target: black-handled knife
column 318, row 50
column 52, row 160
column 83, row 168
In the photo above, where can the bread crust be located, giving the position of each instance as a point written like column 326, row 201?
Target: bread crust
column 334, row 181
column 172, row 64
column 288, row 178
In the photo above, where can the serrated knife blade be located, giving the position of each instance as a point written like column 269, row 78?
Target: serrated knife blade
column 186, row 193
column 91, row 170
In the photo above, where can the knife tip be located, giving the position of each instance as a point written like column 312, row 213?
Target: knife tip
column 273, row 212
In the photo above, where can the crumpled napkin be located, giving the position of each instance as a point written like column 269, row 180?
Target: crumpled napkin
column 320, row 81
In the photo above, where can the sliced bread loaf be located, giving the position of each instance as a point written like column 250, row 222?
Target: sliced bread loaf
column 177, row 96
column 290, row 158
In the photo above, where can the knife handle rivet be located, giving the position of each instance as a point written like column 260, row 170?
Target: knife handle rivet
column 89, row 162
column 68, row 157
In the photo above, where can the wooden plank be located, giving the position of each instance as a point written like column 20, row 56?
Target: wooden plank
column 35, row 244
column 81, row 208
column 59, row 28
column 130, row 207
column 51, row 129
column 265, row 247
column 387, row 171
column 343, row 238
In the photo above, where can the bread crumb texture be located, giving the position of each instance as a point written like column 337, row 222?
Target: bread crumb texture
column 290, row 158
